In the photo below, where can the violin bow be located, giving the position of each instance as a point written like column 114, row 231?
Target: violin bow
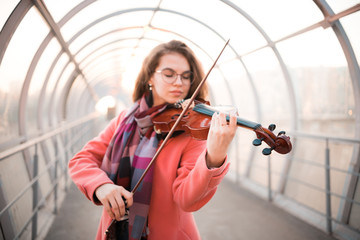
column 178, row 121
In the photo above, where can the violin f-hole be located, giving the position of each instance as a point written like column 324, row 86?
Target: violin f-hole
column 177, row 115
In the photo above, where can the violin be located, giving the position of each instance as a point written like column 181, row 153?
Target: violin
column 196, row 122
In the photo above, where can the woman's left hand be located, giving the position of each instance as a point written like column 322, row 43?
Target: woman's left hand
column 220, row 135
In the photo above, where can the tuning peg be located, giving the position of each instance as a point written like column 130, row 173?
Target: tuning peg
column 281, row 133
column 257, row 142
column 272, row 127
column 267, row 151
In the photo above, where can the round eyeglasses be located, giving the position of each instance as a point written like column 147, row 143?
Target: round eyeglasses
column 170, row 76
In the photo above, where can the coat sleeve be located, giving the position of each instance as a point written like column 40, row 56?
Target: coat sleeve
column 195, row 183
column 84, row 167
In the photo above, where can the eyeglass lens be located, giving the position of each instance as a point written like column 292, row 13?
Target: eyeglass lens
column 170, row 76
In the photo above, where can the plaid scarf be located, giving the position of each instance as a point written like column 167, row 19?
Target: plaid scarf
column 129, row 153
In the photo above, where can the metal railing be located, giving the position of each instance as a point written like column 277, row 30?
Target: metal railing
column 328, row 215
column 83, row 127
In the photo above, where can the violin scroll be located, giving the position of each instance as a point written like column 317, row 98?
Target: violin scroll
column 280, row 143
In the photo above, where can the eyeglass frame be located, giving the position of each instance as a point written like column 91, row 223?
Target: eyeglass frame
column 177, row 75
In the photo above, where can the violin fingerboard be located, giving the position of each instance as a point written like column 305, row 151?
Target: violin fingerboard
column 209, row 111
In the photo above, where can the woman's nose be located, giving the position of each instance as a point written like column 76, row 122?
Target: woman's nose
column 178, row 80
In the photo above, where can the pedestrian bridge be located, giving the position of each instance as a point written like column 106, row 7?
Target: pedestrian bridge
column 68, row 67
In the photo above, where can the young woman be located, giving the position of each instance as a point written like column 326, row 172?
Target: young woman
column 185, row 174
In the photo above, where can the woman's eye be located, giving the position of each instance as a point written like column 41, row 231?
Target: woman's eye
column 186, row 76
column 169, row 75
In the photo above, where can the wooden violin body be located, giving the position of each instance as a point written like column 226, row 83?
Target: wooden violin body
column 196, row 122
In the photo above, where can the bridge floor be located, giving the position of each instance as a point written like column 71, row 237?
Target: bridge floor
column 234, row 213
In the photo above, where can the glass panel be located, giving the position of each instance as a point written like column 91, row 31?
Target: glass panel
column 56, row 107
column 351, row 27
column 107, row 86
column 104, row 104
column 73, row 99
column 50, row 89
column 110, row 38
column 113, row 23
column 86, row 104
column 38, row 83
column 120, row 50
column 354, row 217
column 133, row 65
column 160, row 35
column 242, row 97
column 81, row 19
column 21, row 211
column 340, row 5
column 219, row 93
column 5, row 11
column 242, row 34
column 43, row 158
column 306, row 175
column 321, row 80
column 14, row 68
column 277, row 22
column 104, row 63
column 271, row 88
column 150, row 42
column 97, row 9
column 170, row 21
column 59, row 9
column 241, row 88
column 268, row 95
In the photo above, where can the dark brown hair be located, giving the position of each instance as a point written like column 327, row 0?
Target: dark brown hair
column 152, row 61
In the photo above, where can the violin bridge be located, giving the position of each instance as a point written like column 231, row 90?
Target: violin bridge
column 179, row 103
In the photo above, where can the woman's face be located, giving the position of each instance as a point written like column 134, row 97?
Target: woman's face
column 175, row 65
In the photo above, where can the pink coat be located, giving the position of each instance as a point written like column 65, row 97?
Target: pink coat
column 178, row 188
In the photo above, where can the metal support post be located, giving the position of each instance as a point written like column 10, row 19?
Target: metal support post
column 328, row 189
column 35, row 194
column 269, row 179
column 56, row 185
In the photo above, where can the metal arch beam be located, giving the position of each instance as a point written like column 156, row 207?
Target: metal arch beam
column 257, row 104
column 111, row 32
column 90, row 82
column 352, row 180
column 88, row 64
column 11, row 25
column 56, row 29
column 25, row 88
column 273, row 47
column 105, row 34
column 5, row 36
column 108, row 44
column 86, row 3
column 69, row 16
column 164, row 30
column 83, row 97
column 134, row 38
column 64, row 94
column 43, row 88
column 153, row 9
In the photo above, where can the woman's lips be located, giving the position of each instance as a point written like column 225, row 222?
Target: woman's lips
column 176, row 93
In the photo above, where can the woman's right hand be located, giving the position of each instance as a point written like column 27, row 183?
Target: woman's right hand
column 110, row 195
